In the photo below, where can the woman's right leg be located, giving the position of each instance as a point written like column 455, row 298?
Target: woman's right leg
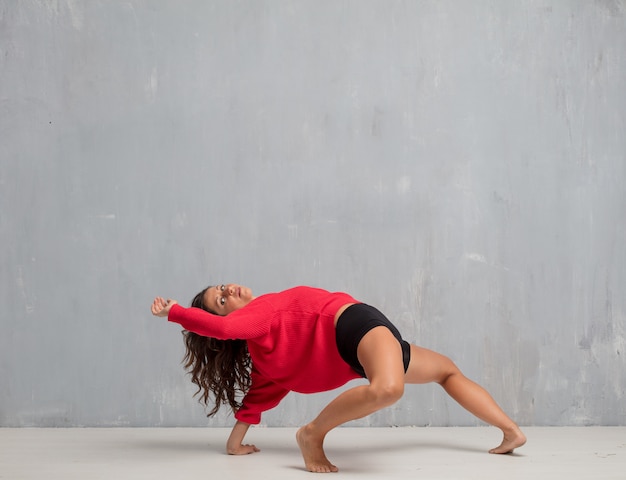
column 380, row 355
column 427, row 366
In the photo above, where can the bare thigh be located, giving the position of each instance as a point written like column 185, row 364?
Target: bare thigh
column 380, row 354
column 427, row 366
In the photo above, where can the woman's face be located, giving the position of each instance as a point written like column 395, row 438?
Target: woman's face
column 224, row 299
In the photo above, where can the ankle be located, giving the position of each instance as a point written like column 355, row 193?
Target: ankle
column 311, row 431
column 511, row 430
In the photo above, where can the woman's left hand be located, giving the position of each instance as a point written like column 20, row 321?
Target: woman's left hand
column 161, row 307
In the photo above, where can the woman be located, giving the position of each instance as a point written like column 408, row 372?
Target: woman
column 309, row 340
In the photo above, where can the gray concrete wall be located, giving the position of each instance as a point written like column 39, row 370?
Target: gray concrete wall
column 460, row 165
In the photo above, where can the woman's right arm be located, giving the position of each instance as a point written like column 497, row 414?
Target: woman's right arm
column 234, row 445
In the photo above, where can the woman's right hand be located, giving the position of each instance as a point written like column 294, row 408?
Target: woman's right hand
column 242, row 450
column 234, row 445
column 161, row 307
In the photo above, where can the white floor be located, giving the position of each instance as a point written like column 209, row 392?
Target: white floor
column 590, row 453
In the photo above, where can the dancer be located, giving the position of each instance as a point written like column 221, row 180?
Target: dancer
column 309, row 340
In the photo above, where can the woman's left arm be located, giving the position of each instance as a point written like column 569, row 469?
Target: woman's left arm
column 245, row 323
column 234, row 445
column 161, row 307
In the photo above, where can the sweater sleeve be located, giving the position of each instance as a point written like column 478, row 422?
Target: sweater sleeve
column 248, row 322
column 262, row 396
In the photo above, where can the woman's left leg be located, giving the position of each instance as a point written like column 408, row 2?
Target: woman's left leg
column 427, row 366
column 380, row 354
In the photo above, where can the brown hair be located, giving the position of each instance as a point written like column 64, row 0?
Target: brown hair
column 218, row 367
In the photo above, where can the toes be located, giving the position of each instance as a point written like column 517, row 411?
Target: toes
column 322, row 468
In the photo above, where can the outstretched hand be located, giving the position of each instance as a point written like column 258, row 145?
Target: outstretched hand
column 161, row 307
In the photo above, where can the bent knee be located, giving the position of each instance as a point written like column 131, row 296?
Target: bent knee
column 387, row 394
column 448, row 368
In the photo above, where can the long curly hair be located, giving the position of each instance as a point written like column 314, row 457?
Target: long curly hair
column 217, row 367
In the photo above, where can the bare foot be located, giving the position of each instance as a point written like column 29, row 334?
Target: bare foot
column 313, row 452
column 512, row 440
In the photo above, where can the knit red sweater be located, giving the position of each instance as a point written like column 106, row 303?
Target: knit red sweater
column 291, row 340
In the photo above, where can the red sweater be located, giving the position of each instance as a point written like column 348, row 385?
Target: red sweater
column 291, row 340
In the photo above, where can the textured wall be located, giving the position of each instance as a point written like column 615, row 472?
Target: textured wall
column 460, row 165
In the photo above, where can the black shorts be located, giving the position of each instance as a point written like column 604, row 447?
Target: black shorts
column 353, row 324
